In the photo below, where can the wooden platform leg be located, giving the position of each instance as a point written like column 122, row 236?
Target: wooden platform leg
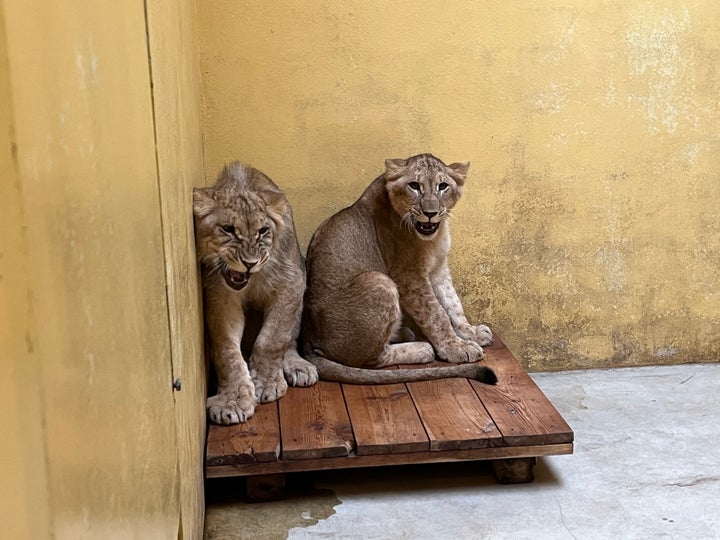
column 265, row 487
column 514, row 471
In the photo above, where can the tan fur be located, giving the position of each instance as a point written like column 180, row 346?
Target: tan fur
column 251, row 262
column 384, row 256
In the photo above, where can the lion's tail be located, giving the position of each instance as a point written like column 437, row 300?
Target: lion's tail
column 330, row 370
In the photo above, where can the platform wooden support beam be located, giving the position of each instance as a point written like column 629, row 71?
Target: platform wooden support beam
column 265, row 487
column 514, row 471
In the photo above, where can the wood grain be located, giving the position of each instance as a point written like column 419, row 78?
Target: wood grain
column 384, row 419
column 453, row 415
column 255, row 441
column 518, row 407
column 314, row 423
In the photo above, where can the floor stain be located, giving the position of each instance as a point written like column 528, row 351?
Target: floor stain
column 229, row 517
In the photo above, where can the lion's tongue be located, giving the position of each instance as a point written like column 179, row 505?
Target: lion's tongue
column 236, row 280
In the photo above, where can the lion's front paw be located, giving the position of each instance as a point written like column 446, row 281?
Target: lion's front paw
column 270, row 386
column 299, row 372
column 227, row 410
column 480, row 334
column 461, row 352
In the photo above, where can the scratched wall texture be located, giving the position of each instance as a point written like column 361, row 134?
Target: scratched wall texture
column 589, row 232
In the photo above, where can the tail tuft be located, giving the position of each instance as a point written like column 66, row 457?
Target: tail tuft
column 486, row 375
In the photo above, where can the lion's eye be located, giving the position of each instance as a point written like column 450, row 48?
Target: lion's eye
column 230, row 229
column 262, row 231
column 415, row 186
column 442, row 186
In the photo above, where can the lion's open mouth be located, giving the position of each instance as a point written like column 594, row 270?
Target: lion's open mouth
column 426, row 227
column 235, row 280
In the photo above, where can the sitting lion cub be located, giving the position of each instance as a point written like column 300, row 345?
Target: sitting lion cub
column 385, row 255
column 250, row 261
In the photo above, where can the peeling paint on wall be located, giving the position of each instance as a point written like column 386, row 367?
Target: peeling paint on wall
column 659, row 56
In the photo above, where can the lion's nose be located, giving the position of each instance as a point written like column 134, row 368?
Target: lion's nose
column 248, row 265
column 430, row 215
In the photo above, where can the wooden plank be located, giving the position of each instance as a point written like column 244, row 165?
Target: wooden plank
column 424, row 422
column 379, row 460
column 255, row 441
column 314, row 423
column 384, row 419
column 518, row 407
column 452, row 414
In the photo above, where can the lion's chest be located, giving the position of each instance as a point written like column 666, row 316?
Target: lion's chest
column 257, row 295
column 421, row 263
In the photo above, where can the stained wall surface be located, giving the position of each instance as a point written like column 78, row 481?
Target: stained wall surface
column 173, row 52
column 24, row 510
column 589, row 232
column 99, row 298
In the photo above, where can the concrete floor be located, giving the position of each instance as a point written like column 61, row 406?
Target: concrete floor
column 646, row 465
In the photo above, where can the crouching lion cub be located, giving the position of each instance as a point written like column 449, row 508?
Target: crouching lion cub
column 251, row 262
column 385, row 255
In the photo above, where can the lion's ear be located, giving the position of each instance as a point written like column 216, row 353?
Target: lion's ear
column 203, row 202
column 458, row 172
column 276, row 205
column 394, row 168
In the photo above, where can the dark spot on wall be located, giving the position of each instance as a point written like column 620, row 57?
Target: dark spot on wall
column 29, row 343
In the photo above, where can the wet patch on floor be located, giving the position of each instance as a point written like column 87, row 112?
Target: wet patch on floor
column 229, row 517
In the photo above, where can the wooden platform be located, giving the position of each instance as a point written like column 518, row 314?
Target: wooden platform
column 337, row 426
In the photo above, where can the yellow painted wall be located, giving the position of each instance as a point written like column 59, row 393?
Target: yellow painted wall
column 589, row 233
column 24, row 510
column 175, row 73
column 99, row 299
